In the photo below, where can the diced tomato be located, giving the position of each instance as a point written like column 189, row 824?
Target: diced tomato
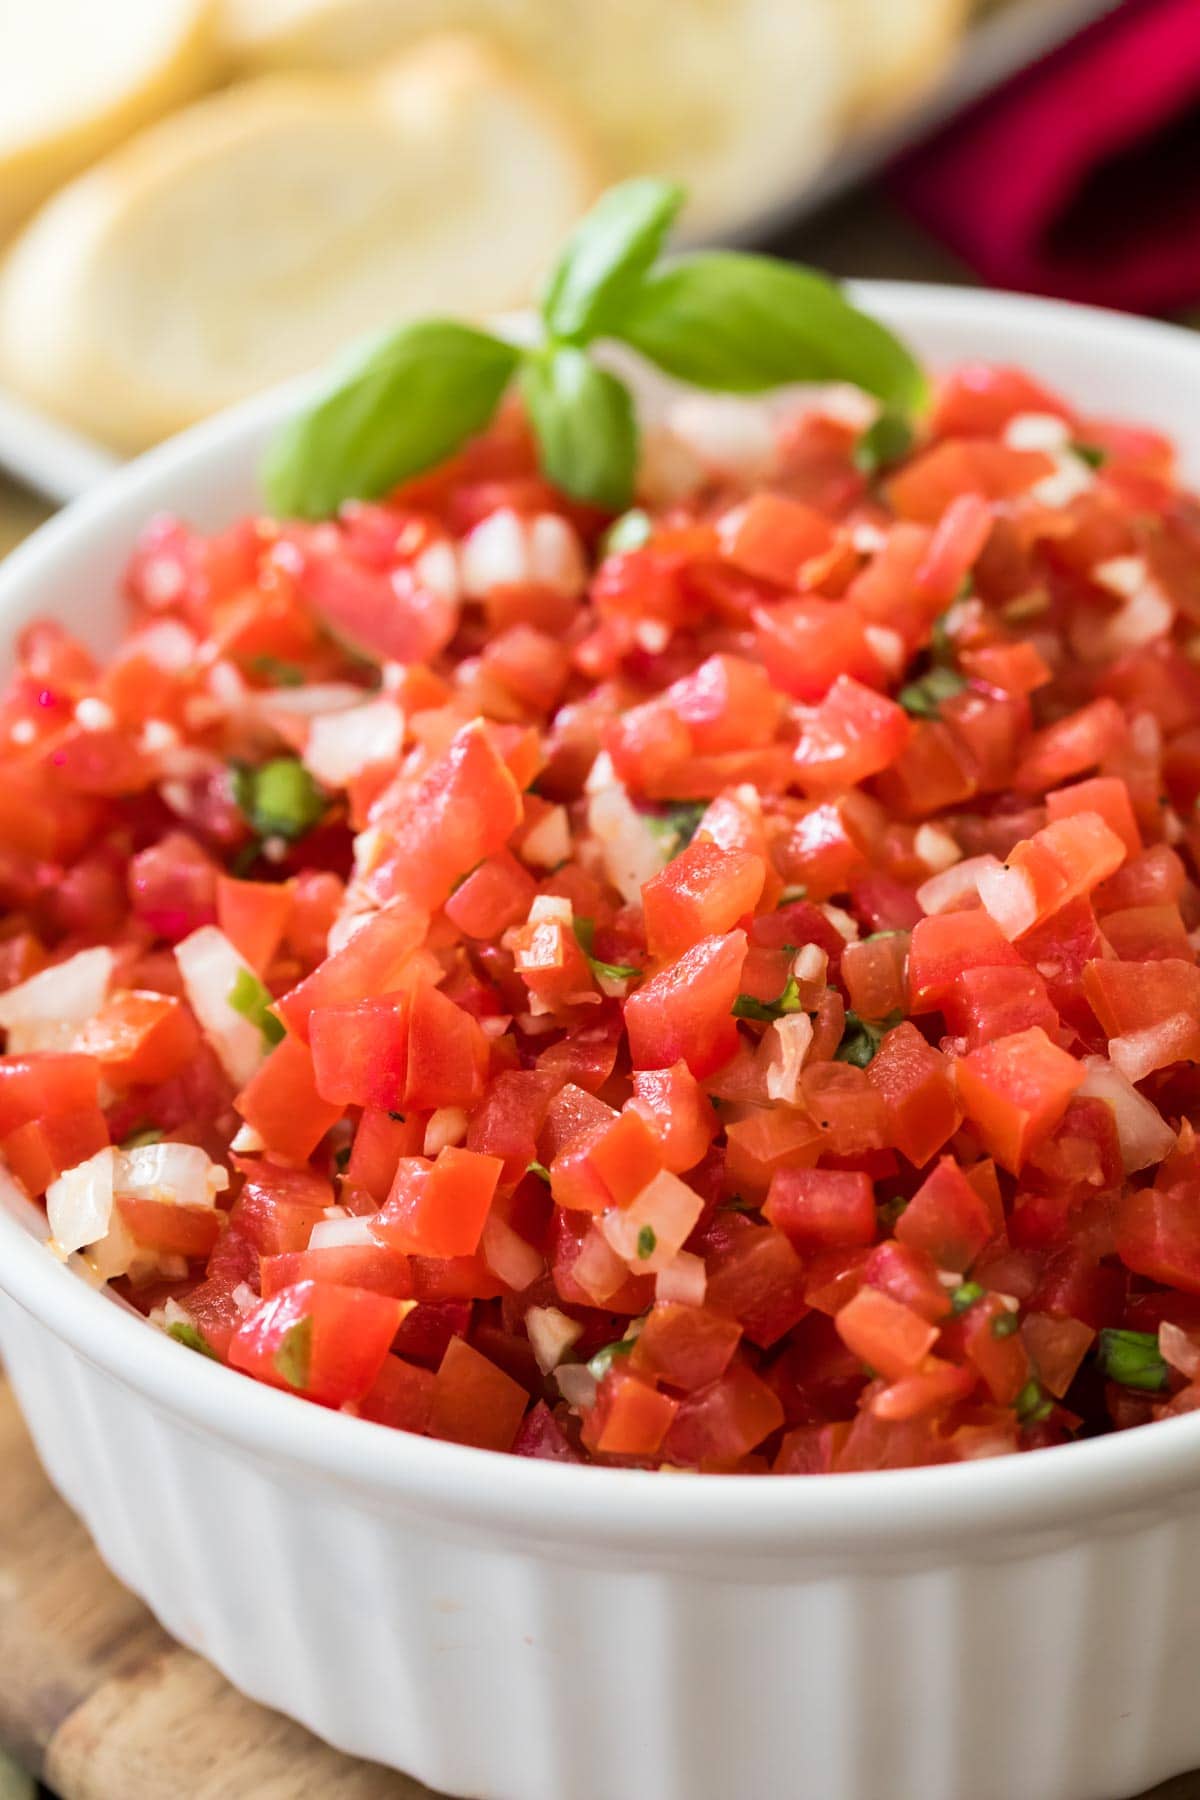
column 685, row 1011
column 807, row 645
column 854, row 733
column 439, row 1208
column 360, row 1052
column 758, row 1280
column 401, row 1396
column 916, row 1085
column 942, row 947
column 629, row 1418
column 373, row 962
column 492, row 897
column 678, row 1113
column 189, row 1231
column 325, row 1342
column 373, row 1266
column 774, row 538
column 281, row 1102
column 1015, row 1090
column 720, row 1423
column 946, row 1218
column 816, row 1208
column 702, row 892
column 884, row 1334
column 474, row 1402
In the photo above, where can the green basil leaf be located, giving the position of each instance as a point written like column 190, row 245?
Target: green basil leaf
column 885, row 442
column 393, row 407
column 723, row 319
column 747, row 1007
column 278, row 798
column 1132, row 1358
column 922, row 699
column 583, row 420
column 606, row 255
column 250, row 997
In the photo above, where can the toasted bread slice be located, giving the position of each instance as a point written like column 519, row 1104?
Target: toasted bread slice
column 78, row 76
column 897, row 50
column 739, row 98
column 254, row 233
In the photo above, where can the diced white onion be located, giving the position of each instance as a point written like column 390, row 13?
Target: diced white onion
column 953, row 887
column 174, row 1174
column 936, row 848
column 79, row 1204
column 1037, row 431
column 1070, row 479
column 246, row 1141
column 66, row 993
column 842, row 923
column 666, row 1210
column 548, row 843
column 505, row 549
column 1177, row 1348
column 1007, row 894
column 436, row 568
column 1144, row 1135
column 631, row 850
column 887, row 646
column 210, row 967
column 683, row 1282
column 577, row 1385
column 342, row 744
column 340, row 1234
column 727, row 434
column 597, row 1268
column 314, row 698
column 1138, row 1053
column 790, row 1040
column 551, row 1334
column 810, row 963
column 447, row 1127
column 93, row 714
column 509, row 1255
column 550, row 909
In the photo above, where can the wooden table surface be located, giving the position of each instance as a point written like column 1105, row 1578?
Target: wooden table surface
column 95, row 1698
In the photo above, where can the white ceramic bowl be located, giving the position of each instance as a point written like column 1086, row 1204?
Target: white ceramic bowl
column 1022, row 1629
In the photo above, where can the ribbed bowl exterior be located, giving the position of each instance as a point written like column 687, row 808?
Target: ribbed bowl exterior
column 1041, row 1667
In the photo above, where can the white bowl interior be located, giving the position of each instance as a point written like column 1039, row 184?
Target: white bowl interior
column 71, row 569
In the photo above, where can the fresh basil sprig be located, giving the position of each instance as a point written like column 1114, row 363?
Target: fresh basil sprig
column 719, row 319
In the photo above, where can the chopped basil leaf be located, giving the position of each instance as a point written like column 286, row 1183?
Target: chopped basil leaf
column 602, row 1362
column 293, row 1358
column 678, row 825
column 1132, row 1358
column 862, row 1038
column 538, row 1169
column 1033, row 1404
column 965, row 1296
column 399, row 1117
column 647, row 1242
column 1094, row 455
column 249, row 997
column 278, row 798
column 885, row 442
column 924, row 697
column 609, row 251
column 187, row 1334
column 585, row 936
column 747, row 1007
column 633, row 529
column 1005, row 1324
column 584, row 423
column 146, row 1134
column 271, row 668
column 393, row 406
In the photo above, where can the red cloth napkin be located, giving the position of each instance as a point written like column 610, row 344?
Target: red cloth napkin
column 1082, row 177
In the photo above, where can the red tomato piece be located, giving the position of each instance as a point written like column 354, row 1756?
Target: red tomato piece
column 360, row 1052
column 282, row 1104
column 854, row 733
column 816, row 1208
column 684, row 1011
column 325, row 1342
column 884, row 1334
column 701, row 893
column 439, row 1208
column 916, row 1085
column 1015, row 1090
column 946, row 1218
column 474, row 1402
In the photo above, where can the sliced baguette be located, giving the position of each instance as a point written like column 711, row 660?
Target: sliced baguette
column 78, row 76
column 897, row 50
column 739, row 98
column 252, row 234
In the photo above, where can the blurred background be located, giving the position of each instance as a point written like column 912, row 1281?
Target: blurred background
column 199, row 197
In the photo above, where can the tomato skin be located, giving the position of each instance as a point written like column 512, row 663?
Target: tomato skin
column 372, row 962
column 179, row 1230
column 45, row 1085
column 946, row 1218
column 439, row 1209
column 474, row 1402
column 916, row 1085
column 684, row 1011
column 678, row 1113
column 720, row 1423
column 702, row 892
column 140, row 1037
column 979, row 400
column 854, row 733
column 282, row 1103
column 382, row 1270
column 816, row 1208
column 884, row 1334
column 401, row 1397
column 1015, row 1090
column 348, row 1330
column 277, row 1208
